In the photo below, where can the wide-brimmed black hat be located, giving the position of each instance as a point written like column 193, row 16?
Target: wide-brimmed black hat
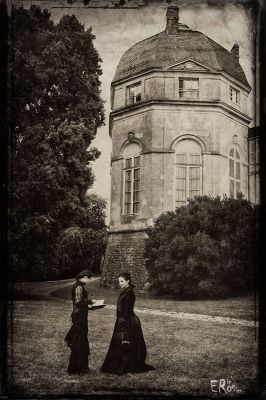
column 84, row 272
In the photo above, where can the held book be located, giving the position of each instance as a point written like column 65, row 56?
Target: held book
column 96, row 305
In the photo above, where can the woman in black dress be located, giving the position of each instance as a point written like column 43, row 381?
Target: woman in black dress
column 127, row 351
column 77, row 336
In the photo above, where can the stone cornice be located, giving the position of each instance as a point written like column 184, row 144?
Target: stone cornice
column 191, row 103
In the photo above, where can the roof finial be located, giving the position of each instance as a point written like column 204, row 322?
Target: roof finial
column 172, row 16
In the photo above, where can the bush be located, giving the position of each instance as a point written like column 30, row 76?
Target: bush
column 204, row 250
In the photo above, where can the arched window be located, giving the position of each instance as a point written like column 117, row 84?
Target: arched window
column 188, row 171
column 234, row 172
column 131, row 191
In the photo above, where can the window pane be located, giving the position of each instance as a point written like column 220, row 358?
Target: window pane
column 194, row 159
column 138, row 97
column 231, row 188
column 180, row 172
column 181, row 158
column 237, row 155
column 238, row 187
column 252, row 151
column 128, row 162
column 132, row 184
column 128, row 175
column 136, row 161
column 135, row 208
column 237, row 170
column 231, row 168
column 181, row 195
column 127, row 198
column 194, row 173
column 136, row 185
column 136, row 173
column 194, row 84
column 193, row 193
column 232, row 152
column 128, row 186
column 180, row 203
column 127, row 209
column 189, row 88
column 234, row 95
column 134, row 93
column 180, row 184
column 194, row 181
column 135, row 196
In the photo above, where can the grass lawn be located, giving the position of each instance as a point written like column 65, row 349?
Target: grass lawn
column 238, row 307
column 186, row 354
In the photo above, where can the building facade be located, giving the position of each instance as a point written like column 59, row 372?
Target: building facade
column 179, row 128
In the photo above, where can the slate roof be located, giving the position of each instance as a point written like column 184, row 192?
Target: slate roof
column 163, row 50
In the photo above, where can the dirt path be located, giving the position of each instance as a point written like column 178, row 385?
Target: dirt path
column 195, row 317
column 45, row 290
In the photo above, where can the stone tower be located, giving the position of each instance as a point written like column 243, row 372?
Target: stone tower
column 179, row 127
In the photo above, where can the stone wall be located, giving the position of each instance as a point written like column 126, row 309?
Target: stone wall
column 165, row 85
column 125, row 252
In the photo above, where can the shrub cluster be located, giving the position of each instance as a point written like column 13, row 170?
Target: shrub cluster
column 206, row 249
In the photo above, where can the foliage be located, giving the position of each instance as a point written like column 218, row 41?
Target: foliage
column 55, row 109
column 204, row 249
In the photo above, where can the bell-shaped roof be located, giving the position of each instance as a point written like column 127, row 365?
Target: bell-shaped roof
column 178, row 43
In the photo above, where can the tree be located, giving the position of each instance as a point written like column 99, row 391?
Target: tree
column 204, row 249
column 55, row 110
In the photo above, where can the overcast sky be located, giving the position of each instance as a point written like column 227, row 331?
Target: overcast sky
column 118, row 29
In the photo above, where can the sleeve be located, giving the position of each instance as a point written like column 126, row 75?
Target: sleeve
column 90, row 299
column 79, row 300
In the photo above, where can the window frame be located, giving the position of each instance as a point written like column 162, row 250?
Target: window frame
column 187, row 165
column 234, row 161
column 132, row 86
column 183, row 91
column 132, row 168
column 232, row 91
column 252, row 151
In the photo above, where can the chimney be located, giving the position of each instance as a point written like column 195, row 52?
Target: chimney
column 172, row 16
column 235, row 51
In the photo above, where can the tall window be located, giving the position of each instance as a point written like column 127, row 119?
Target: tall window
column 252, row 151
column 189, row 88
column 234, row 172
column 234, row 95
column 132, row 179
column 188, row 171
column 134, row 93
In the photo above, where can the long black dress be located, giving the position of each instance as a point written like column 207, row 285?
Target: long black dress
column 77, row 336
column 124, row 358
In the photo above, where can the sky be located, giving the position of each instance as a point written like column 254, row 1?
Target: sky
column 118, row 29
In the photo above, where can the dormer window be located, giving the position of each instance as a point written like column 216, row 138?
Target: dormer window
column 234, row 95
column 189, row 88
column 134, row 93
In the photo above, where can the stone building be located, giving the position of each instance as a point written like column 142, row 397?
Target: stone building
column 179, row 128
